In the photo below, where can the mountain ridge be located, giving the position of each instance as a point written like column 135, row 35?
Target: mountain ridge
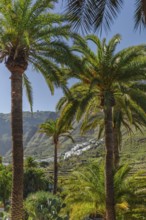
column 35, row 143
column 31, row 122
column 40, row 146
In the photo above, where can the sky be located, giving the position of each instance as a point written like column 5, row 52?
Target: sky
column 42, row 98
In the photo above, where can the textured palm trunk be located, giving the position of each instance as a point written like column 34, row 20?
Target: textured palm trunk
column 17, row 147
column 116, row 148
column 55, row 168
column 17, row 66
column 109, row 175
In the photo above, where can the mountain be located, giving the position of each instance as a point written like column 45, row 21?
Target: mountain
column 30, row 128
column 35, row 143
column 39, row 146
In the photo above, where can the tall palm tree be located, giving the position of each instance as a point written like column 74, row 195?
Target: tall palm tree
column 103, row 72
column 56, row 130
column 85, row 195
column 29, row 34
column 128, row 112
column 100, row 14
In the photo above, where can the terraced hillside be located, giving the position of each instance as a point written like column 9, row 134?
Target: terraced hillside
column 39, row 146
column 134, row 149
column 133, row 152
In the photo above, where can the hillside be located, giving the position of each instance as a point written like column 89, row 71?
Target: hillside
column 134, row 149
column 39, row 146
column 35, row 143
column 31, row 135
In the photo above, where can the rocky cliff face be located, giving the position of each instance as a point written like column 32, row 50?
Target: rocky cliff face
column 5, row 133
column 32, row 138
column 36, row 144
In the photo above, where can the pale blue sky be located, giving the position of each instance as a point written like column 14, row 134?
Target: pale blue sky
column 43, row 100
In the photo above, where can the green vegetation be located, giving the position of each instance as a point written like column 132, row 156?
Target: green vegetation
column 104, row 75
column 108, row 101
column 35, row 178
column 85, row 195
column 56, row 130
column 5, row 184
column 30, row 34
column 43, row 206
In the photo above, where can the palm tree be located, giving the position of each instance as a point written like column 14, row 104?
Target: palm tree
column 29, row 34
column 100, row 14
column 85, row 195
column 56, row 130
column 30, row 163
column 103, row 73
column 128, row 112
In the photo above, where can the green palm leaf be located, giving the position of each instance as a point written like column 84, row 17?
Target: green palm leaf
column 28, row 88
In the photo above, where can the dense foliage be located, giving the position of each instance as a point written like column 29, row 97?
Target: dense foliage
column 85, row 195
column 35, row 180
column 5, row 184
column 110, row 93
column 43, row 206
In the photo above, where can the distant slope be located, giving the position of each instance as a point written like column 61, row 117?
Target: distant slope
column 39, row 146
column 35, row 143
column 134, row 149
column 30, row 129
column 5, row 133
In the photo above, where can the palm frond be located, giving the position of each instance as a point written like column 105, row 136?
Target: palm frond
column 140, row 14
column 90, row 14
column 105, row 13
column 80, row 13
column 28, row 89
column 85, row 188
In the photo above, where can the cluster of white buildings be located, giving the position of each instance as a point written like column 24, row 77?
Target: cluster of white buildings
column 78, row 149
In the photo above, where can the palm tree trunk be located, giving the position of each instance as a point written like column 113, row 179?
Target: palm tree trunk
column 116, row 148
column 55, row 168
column 109, row 175
column 4, row 203
column 17, row 151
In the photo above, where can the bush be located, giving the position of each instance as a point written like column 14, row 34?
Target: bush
column 43, row 206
